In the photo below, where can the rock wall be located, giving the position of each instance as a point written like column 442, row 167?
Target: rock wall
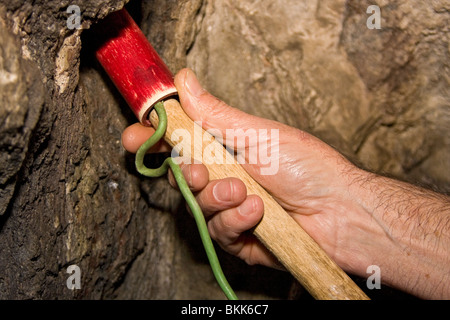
column 379, row 95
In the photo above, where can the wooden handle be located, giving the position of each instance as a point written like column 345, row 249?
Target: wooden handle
column 278, row 231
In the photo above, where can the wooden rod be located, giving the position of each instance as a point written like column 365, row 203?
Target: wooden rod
column 278, row 231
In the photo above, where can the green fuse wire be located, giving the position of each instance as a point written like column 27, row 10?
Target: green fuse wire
column 187, row 194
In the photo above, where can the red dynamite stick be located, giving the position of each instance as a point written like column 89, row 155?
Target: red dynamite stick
column 133, row 65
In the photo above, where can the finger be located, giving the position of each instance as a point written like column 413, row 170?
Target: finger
column 220, row 195
column 196, row 176
column 213, row 113
column 230, row 229
column 136, row 134
column 252, row 251
column 199, row 105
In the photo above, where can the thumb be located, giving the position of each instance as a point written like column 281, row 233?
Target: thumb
column 213, row 113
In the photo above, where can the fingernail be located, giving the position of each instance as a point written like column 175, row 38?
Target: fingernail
column 247, row 207
column 192, row 84
column 223, row 191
